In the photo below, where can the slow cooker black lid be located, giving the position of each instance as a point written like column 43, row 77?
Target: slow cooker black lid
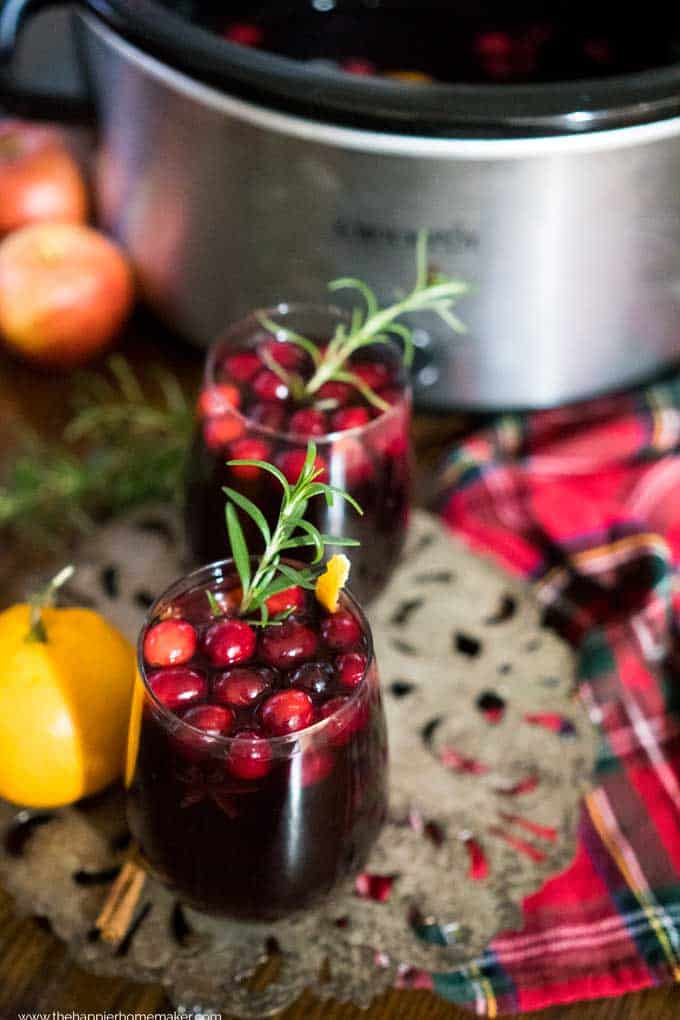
column 388, row 105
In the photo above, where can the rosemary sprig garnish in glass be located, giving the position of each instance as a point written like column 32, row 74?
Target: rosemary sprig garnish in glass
column 292, row 531
column 434, row 292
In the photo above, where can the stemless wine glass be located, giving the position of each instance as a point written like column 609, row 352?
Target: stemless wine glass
column 246, row 411
column 238, row 821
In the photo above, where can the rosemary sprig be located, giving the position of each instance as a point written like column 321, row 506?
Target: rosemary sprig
column 121, row 449
column 434, row 292
column 292, row 531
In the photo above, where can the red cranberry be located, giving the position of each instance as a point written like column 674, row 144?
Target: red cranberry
column 352, row 463
column 212, row 719
column 288, row 644
column 316, row 766
column 340, row 724
column 290, row 598
column 217, row 432
column 229, row 642
column 351, row 668
column 242, row 366
column 241, row 686
column 357, row 65
column 245, row 33
column 390, row 438
column 350, row 418
column 307, row 422
column 250, row 756
column 178, row 686
column 374, row 887
column 287, row 712
column 340, row 392
column 248, row 448
column 374, row 373
column 268, row 386
column 292, row 461
column 169, row 643
column 219, row 399
column 391, row 396
column 268, row 414
column 341, row 630
column 315, row 678
column 285, row 354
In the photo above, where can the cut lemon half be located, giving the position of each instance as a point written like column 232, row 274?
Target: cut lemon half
column 332, row 581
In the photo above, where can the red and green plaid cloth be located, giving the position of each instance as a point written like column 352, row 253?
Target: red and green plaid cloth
column 585, row 503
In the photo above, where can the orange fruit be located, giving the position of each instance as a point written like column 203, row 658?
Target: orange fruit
column 64, row 705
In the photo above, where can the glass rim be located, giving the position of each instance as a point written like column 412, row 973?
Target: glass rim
column 182, row 584
column 288, row 308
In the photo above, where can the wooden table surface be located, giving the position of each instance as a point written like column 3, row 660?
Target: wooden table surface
column 36, row 974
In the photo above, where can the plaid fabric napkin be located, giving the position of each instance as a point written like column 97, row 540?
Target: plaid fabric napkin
column 585, row 503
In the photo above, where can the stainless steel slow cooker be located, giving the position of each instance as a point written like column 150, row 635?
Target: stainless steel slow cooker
column 236, row 179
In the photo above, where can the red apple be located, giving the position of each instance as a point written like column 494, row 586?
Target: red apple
column 39, row 179
column 65, row 290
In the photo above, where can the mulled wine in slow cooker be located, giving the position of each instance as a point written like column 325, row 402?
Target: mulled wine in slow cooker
column 458, row 43
column 539, row 144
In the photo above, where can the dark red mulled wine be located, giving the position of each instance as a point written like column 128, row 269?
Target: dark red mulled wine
column 258, row 756
column 246, row 411
column 470, row 43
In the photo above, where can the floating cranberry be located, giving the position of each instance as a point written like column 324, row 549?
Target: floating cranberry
column 241, row 686
column 268, row 386
column 249, row 756
column 177, row 687
column 375, row 374
column 340, row 725
column 169, row 643
column 291, row 462
column 290, row 598
column 245, row 33
column 285, row 354
column 287, row 712
column 358, row 65
column 229, row 642
column 212, row 720
column 391, row 396
column 242, row 366
column 350, row 418
column 288, row 644
column 218, row 399
column 341, row 630
column 248, row 448
column 315, row 678
column 268, row 414
column 215, row 720
column 340, row 392
column 218, row 432
column 308, row 422
column 351, row 668
column 316, row 766
column 352, row 463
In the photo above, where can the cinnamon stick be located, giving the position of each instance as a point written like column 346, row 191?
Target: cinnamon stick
column 117, row 914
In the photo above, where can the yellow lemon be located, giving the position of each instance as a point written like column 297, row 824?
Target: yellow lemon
column 65, row 688
column 331, row 582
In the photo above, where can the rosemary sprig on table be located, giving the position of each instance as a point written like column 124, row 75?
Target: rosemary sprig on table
column 292, row 531
column 434, row 292
column 120, row 450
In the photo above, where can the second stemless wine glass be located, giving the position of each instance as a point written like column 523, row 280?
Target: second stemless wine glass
column 238, row 821
column 246, row 411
